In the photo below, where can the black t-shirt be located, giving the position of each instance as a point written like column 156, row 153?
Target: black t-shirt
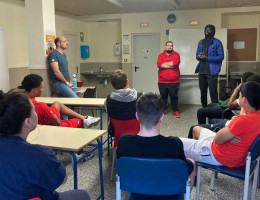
column 150, row 147
column 204, row 65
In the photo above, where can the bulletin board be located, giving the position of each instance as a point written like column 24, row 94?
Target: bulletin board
column 242, row 44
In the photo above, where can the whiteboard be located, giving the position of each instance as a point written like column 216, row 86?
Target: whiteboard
column 185, row 42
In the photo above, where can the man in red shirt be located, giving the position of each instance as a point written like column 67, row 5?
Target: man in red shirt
column 169, row 77
column 229, row 146
column 33, row 85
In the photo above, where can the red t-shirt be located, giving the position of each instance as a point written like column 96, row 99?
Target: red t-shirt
column 45, row 114
column 247, row 127
column 169, row 75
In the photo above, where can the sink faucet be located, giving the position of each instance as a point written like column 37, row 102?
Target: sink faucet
column 100, row 69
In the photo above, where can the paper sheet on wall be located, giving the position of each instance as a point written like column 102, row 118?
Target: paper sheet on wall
column 239, row 45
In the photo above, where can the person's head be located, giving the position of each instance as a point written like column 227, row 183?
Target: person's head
column 33, row 84
column 17, row 113
column 209, row 31
column 245, row 76
column 169, row 47
column 119, row 79
column 250, row 93
column 61, row 42
column 254, row 77
column 149, row 108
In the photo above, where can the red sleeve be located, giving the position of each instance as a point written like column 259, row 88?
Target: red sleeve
column 160, row 60
column 176, row 59
column 237, row 126
column 47, row 113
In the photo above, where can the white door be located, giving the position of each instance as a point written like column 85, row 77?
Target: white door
column 146, row 49
column 72, row 52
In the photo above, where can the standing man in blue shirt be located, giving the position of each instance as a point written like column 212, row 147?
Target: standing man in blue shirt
column 210, row 55
column 58, row 65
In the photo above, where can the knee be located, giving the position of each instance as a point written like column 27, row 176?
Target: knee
column 196, row 132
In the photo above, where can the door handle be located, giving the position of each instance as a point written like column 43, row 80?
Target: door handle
column 136, row 68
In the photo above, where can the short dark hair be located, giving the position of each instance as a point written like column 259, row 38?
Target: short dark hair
column 118, row 79
column 31, row 81
column 15, row 107
column 246, row 75
column 57, row 39
column 168, row 42
column 149, row 108
column 254, row 77
column 251, row 91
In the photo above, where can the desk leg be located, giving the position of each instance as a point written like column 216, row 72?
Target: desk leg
column 75, row 169
column 258, row 181
column 100, row 169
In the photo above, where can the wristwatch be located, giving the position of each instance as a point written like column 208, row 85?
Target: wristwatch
column 67, row 83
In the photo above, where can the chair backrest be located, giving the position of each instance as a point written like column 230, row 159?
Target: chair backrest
column 124, row 127
column 255, row 149
column 90, row 93
column 151, row 176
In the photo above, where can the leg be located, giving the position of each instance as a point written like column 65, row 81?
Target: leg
column 210, row 112
column 213, row 88
column 64, row 90
column 193, row 173
column 203, row 84
column 164, row 93
column 196, row 132
column 74, row 194
column 64, row 110
column 173, row 92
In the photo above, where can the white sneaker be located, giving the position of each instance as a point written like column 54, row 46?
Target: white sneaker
column 91, row 121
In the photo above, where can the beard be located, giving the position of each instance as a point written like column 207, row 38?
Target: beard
column 169, row 51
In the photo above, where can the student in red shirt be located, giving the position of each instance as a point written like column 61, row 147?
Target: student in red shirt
column 169, row 77
column 33, row 85
column 229, row 145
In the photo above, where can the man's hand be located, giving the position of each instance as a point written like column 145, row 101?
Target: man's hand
column 202, row 56
column 70, row 85
column 235, row 140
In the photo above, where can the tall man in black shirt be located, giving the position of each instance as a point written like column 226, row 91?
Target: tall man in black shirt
column 148, row 143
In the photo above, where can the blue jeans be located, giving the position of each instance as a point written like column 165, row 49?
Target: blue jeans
column 64, row 91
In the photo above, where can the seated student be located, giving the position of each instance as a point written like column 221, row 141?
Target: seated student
column 27, row 170
column 217, row 124
column 121, row 104
column 215, row 111
column 229, row 145
column 148, row 143
column 33, row 85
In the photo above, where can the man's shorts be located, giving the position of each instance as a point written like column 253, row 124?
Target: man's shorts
column 73, row 123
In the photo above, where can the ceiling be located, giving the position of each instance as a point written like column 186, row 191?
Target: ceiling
column 99, row 7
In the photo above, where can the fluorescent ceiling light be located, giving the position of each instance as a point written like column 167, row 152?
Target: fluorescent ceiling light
column 116, row 2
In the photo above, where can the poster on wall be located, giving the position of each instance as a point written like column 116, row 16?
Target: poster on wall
column 49, row 43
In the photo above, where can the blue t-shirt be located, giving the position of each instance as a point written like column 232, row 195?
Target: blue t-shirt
column 28, row 171
column 56, row 56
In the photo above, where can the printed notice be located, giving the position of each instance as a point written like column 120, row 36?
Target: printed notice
column 239, row 45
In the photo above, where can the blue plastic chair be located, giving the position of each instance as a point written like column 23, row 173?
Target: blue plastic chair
column 244, row 172
column 149, row 176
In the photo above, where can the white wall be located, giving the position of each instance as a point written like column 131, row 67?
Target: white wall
column 101, row 38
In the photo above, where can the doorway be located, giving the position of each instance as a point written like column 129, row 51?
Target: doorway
column 146, row 48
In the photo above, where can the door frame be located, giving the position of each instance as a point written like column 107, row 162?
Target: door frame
column 77, row 44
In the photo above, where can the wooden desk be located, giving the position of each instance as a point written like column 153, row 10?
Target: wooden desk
column 92, row 103
column 70, row 140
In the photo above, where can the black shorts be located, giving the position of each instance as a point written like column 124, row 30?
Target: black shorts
column 190, row 166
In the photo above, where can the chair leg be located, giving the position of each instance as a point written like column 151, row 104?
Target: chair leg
column 247, row 177
column 212, row 180
column 256, row 173
column 187, row 194
column 118, row 190
column 198, row 183
column 113, row 162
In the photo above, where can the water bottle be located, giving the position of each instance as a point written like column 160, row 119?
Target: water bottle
column 74, row 81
